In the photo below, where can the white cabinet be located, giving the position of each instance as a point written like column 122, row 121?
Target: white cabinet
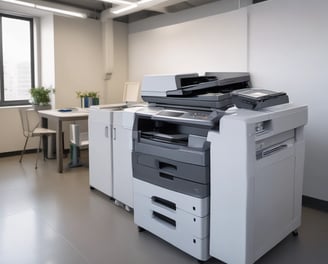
column 110, row 152
column 122, row 159
column 100, row 150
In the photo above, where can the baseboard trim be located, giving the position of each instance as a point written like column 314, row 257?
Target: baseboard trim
column 18, row 152
column 315, row 203
column 15, row 153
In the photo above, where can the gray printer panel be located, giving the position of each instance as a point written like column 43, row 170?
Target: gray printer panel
column 172, row 155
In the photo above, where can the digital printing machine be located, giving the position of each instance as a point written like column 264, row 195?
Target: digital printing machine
column 215, row 180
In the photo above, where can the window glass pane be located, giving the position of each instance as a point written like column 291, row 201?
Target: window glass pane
column 16, row 58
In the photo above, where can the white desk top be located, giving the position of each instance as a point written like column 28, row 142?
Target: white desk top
column 55, row 113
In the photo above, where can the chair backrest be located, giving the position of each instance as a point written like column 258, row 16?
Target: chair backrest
column 30, row 120
column 77, row 137
column 131, row 92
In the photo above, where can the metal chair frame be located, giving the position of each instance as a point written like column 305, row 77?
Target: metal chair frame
column 31, row 128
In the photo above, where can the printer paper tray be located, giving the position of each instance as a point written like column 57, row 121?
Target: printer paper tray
column 174, row 176
column 175, row 152
column 183, row 229
column 177, row 169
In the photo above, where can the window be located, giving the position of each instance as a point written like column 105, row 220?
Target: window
column 16, row 59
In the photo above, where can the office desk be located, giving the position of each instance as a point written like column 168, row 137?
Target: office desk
column 59, row 117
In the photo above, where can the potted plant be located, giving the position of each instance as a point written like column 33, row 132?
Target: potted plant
column 88, row 98
column 95, row 97
column 41, row 97
column 82, row 96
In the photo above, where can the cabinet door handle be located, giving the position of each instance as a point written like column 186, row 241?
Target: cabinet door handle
column 106, row 131
column 114, row 133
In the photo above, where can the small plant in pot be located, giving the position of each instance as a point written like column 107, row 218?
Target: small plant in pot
column 95, row 97
column 40, row 97
column 88, row 98
column 82, row 96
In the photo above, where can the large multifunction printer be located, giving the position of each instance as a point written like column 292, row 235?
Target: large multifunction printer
column 214, row 179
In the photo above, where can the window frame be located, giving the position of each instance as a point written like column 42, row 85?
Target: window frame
column 2, row 88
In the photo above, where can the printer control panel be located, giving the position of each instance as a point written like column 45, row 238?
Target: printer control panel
column 199, row 115
column 190, row 116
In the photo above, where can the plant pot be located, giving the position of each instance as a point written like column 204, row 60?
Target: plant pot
column 87, row 101
column 95, row 101
column 41, row 107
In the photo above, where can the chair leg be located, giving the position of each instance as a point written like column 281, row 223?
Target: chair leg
column 37, row 154
column 23, row 151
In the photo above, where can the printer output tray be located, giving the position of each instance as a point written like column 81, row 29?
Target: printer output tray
column 205, row 101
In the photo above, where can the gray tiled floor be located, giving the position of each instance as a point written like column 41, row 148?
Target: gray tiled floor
column 51, row 218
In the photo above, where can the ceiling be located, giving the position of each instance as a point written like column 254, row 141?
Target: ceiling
column 170, row 6
column 94, row 8
column 90, row 5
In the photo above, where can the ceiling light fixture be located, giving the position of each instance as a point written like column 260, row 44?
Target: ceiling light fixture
column 124, row 5
column 17, row 2
column 47, row 8
column 120, row 2
column 61, row 11
column 144, row 1
column 123, row 9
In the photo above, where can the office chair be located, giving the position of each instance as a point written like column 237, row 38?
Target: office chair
column 30, row 123
column 79, row 140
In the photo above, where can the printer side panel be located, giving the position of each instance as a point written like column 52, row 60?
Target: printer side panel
column 229, row 184
column 299, row 172
column 256, row 181
column 278, row 178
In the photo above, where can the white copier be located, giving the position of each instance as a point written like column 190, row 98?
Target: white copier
column 214, row 179
column 110, row 147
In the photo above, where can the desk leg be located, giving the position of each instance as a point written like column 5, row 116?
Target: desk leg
column 44, row 124
column 59, row 146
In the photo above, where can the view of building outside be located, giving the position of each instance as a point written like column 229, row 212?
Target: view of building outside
column 16, row 58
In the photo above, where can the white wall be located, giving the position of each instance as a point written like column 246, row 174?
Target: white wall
column 78, row 59
column 215, row 43
column 12, row 138
column 190, row 14
column 118, row 57
column 47, row 56
column 78, row 62
column 283, row 49
column 288, row 43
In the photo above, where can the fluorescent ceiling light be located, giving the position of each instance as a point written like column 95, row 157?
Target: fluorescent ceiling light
column 17, row 2
column 123, row 2
column 118, row 2
column 123, row 9
column 46, row 8
column 144, row 1
column 124, row 5
column 61, row 11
